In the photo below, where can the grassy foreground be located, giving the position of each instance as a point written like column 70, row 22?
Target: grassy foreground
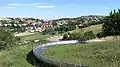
column 19, row 56
column 16, row 57
column 102, row 54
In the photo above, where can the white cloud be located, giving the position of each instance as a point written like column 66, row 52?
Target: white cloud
column 13, row 4
column 38, row 5
column 105, row 8
column 44, row 6
column 17, row 4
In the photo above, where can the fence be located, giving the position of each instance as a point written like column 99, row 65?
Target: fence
column 38, row 53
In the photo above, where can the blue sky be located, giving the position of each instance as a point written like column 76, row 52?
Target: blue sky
column 52, row 9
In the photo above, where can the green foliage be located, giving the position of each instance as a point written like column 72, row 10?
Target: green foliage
column 65, row 37
column 89, row 35
column 100, row 35
column 15, row 57
column 53, row 33
column 7, row 39
column 61, row 28
column 66, row 27
column 49, row 31
column 21, row 56
column 76, row 36
column 112, row 24
column 86, row 24
column 54, row 23
column 79, row 36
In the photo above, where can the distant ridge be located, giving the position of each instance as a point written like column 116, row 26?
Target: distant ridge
column 2, row 18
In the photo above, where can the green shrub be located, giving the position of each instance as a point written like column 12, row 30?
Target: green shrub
column 89, row 35
column 7, row 39
column 100, row 35
column 60, row 32
column 48, row 31
column 76, row 36
column 43, row 33
column 79, row 36
column 53, row 33
column 65, row 37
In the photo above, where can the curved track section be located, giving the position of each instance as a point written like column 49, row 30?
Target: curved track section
column 38, row 52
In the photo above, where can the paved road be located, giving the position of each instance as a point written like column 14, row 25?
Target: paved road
column 38, row 50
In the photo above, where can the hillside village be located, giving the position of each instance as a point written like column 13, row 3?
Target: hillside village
column 39, row 25
column 60, row 33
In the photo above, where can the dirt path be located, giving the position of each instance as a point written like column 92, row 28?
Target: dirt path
column 55, row 38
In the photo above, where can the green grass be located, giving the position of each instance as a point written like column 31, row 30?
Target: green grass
column 34, row 36
column 19, row 56
column 102, row 54
column 16, row 57
column 94, row 28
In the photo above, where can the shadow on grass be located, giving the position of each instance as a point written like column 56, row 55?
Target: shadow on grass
column 36, row 62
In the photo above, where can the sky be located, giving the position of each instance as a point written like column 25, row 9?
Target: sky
column 54, row 9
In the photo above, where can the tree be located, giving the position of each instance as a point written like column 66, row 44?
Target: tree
column 54, row 23
column 111, row 24
column 7, row 39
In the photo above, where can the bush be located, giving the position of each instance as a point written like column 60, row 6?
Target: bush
column 76, row 36
column 43, row 33
column 79, row 36
column 53, row 33
column 65, row 37
column 7, row 39
column 60, row 32
column 100, row 35
column 89, row 35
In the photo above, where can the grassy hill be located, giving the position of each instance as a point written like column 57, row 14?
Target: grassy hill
column 21, row 55
column 16, row 57
column 101, row 54
column 94, row 28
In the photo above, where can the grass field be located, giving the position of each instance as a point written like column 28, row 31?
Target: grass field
column 94, row 28
column 34, row 36
column 18, row 56
column 102, row 54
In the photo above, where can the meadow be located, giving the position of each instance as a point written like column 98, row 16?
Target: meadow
column 101, row 54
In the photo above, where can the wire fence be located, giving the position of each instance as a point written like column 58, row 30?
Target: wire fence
column 39, row 49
